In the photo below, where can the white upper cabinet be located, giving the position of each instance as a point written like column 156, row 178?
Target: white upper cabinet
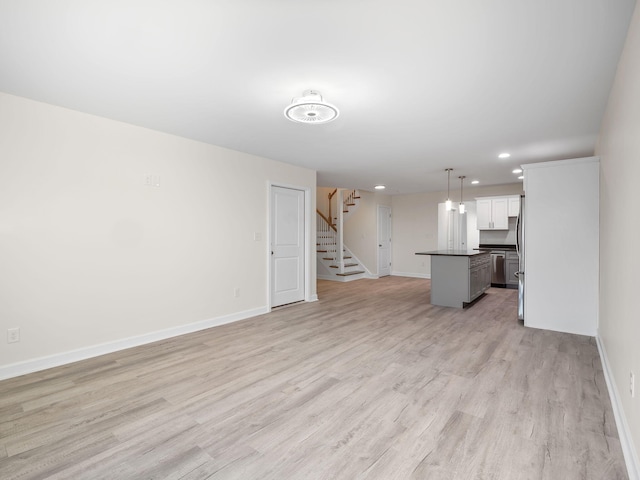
column 514, row 206
column 483, row 211
column 494, row 212
column 500, row 214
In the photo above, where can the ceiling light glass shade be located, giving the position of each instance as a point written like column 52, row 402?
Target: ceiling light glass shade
column 462, row 208
column 311, row 109
column 447, row 204
column 379, row 187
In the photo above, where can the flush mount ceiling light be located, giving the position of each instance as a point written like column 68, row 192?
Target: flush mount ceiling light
column 379, row 187
column 311, row 108
column 504, row 155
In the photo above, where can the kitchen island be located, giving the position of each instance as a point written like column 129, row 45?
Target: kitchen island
column 458, row 277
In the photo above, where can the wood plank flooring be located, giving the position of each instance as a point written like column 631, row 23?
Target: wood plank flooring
column 370, row 382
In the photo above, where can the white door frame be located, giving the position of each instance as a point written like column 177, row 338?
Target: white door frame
column 307, row 239
column 386, row 207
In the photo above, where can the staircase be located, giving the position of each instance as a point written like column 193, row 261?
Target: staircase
column 330, row 265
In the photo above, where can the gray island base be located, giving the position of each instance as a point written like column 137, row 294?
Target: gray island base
column 458, row 277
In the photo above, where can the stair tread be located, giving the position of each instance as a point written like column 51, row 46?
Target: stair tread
column 346, row 265
column 346, row 274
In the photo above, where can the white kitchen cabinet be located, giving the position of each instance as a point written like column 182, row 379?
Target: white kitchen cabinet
column 514, row 206
column 493, row 213
column 483, row 211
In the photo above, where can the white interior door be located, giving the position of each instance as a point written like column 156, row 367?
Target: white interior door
column 287, row 246
column 384, row 240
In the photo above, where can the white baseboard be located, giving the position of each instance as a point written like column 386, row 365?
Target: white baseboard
column 58, row 359
column 333, row 278
column 313, row 298
column 626, row 440
column 411, row 274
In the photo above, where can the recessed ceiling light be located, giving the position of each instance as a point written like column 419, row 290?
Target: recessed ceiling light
column 521, row 177
column 379, row 187
column 517, row 170
column 475, row 182
column 504, row 155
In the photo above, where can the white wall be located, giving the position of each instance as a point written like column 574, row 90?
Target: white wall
column 90, row 255
column 415, row 225
column 619, row 152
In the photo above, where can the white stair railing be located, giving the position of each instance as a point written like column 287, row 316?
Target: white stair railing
column 331, row 250
column 327, row 238
column 330, row 230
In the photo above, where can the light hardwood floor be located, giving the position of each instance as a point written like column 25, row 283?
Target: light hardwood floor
column 371, row 382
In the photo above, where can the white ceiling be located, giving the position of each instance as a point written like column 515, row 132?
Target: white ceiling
column 421, row 85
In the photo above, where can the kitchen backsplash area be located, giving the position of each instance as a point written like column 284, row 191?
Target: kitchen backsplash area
column 500, row 237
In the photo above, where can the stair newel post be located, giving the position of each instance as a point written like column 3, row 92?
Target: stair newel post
column 331, row 195
column 340, row 237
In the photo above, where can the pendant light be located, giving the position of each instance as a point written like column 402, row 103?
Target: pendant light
column 462, row 208
column 448, row 202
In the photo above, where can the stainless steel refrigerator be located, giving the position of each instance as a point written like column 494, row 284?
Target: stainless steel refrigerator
column 520, row 248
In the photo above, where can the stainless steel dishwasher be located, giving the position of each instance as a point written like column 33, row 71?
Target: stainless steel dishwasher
column 498, row 268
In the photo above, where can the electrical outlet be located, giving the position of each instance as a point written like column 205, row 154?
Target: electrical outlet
column 236, row 292
column 13, row 335
column 151, row 180
column 632, row 384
